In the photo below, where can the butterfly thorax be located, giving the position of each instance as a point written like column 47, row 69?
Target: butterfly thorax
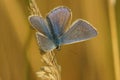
column 54, row 33
column 56, row 40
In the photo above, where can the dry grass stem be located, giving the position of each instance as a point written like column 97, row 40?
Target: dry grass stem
column 34, row 10
column 52, row 70
column 113, row 26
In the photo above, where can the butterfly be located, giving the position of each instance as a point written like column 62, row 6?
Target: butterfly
column 53, row 31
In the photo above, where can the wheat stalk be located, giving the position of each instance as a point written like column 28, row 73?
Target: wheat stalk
column 52, row 71
column 34, row 10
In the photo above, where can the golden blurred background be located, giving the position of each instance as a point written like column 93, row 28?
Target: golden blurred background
column 95, row 59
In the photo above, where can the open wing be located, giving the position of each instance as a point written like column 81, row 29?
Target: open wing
column 45, row 43
column 58, row 20
column 81, row 30
column 39, row 24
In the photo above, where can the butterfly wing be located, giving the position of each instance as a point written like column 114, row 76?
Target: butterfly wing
column 39, row 24
column 58, row 19
column 80, row 30
column 45, row 43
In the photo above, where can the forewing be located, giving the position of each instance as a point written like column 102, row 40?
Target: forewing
column 39, row 24
column 45, row 43
column 81, row 30
column 58, row 20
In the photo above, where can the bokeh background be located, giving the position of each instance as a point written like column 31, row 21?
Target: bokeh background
column 95, row 59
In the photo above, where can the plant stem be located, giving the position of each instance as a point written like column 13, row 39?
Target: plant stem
column 52, row 70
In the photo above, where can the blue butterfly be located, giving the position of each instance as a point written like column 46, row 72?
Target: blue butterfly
column 53, row 31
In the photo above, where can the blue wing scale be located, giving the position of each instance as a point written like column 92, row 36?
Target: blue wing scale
column 80, row 30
